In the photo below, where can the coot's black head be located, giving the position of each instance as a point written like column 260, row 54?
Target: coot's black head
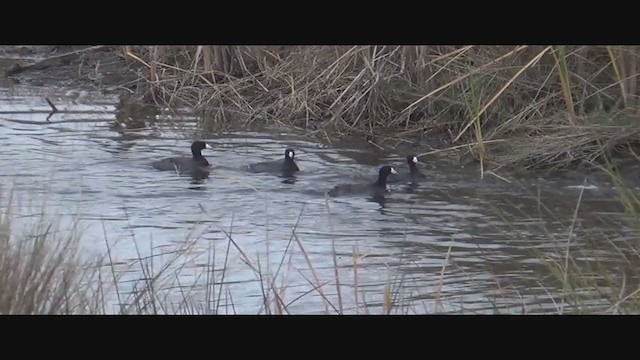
column 412, row 160
column 289, row 154
column 384, row 172
column 197, row 147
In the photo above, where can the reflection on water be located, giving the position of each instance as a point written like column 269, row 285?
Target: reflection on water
column 455, row 242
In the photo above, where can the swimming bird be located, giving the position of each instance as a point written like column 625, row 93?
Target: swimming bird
column 286, row 166
column 196, row 162
column 375, row 189
column 414, row 174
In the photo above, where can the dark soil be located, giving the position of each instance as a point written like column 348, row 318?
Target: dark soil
column 102, row 69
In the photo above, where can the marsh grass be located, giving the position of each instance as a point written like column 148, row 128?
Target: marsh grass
column 44, row 270
column 40, row 271
column 578, row 256
column 535, row 106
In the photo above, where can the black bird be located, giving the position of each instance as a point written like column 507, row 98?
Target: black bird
column 376, row 188
column 286, row 166
column 414, row 174
column 196, row 162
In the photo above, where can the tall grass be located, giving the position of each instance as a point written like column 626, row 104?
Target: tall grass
column 40, row 271
column 542, row 106
column 594, row 266
column 43, row 270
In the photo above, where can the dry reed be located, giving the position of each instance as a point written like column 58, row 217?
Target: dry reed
column 541, row 101
column 41, row 273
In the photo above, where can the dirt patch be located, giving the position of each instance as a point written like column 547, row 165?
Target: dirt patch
column 97, row 68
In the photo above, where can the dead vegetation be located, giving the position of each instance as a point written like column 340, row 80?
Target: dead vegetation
column 525, row 106
column 42, row 272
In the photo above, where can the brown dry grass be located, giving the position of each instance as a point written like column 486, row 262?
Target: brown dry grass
column 548, row 104
column 42, row 272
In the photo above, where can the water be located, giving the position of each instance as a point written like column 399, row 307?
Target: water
column 456, row 243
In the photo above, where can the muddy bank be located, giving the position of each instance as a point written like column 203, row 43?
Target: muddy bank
column 508, row 106
column 98, row 68
column 106, row 69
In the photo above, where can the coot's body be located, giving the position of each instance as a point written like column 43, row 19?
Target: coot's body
column 377, row 188
column 285, row 167
column 195, row 163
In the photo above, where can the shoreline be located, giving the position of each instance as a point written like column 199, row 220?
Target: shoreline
column 126, row 70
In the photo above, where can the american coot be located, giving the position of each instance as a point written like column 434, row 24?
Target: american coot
column 376, row 188
column 196, row 162
column 414, row 174
column 286, row 167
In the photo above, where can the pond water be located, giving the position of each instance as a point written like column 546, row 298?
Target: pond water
column 455, row 243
